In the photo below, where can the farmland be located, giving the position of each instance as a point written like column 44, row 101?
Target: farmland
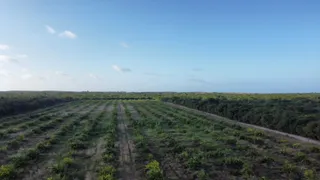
column 144, row 139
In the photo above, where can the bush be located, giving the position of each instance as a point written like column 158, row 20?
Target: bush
column 309, row 175
column 202, row 175
column 233, row 162
column 7, row 172
column 289, row 168
column 107, row 173
column 154, row 171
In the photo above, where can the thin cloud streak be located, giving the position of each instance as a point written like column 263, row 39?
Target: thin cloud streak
column 93, row 76
column 4, row 47
column 119, row 69
column 124, row 44
column 8, row 59
column 60, row 73
column 68, row 34
column 197, row 69
column 22, row 56
column 50, row 29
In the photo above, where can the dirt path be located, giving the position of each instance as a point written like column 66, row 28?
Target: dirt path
column 296, row 137
column 126, row 158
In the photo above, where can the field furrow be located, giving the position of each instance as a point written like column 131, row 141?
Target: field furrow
column 126, row 157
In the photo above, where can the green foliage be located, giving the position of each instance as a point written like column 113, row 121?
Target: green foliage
column 315, row 149
column 233, row 162
column 3, row 148
column 202, row 175
column 289, row 168
column 309, row 174
column 154, row 171
column 300, row 156
column 62, row 165
column 291, row 113
column 108, row 157
column 7, row 172
column 107, row 173
column 246, row 170
column 296, row 145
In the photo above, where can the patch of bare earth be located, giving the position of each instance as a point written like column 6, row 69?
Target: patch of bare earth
column 127, row 166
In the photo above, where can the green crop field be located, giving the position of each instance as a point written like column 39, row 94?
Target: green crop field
column 145, row 139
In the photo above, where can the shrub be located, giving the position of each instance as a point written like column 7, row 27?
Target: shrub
column 296, row 145
column 300, row 156
column 62, row 165
column 3, row 148
column 267, row 159
column 233, row 162
column 309, row 174
column 108, row 157
column 289, row 168
column 154, row 171
column 315, row 149
column 247, row 170
column 33, row 153
column 107, row 173
column 202, row 175
column 3, row 134
column 7, row 172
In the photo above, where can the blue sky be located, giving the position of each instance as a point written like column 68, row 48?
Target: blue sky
column 160, row 45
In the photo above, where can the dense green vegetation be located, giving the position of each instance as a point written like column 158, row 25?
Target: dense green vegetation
column 292, row 113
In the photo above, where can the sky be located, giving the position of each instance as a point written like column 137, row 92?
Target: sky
column 266, row 46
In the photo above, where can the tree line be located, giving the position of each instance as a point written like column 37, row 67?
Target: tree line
column 292, row 113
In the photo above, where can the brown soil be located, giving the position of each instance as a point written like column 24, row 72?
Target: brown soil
column 126, row 158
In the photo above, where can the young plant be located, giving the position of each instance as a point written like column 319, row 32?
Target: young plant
column 7, row 172
column 154, row 171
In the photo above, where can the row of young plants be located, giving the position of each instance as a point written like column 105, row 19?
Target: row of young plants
column 14, row 145
column 145, row 160
column 17, row 119
column 20, row 120
column 227, row 145
column 159, row 142
column 70, row 164
column 35, row 120
column 107, row 168
column 17, row 162
column 282, row 147
column 254, row 139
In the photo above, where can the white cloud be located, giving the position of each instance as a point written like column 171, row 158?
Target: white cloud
column 26, row 76
column 119, row 69
column 93, row 76
column 60, row 73
column 68, row 34
column 124, row 44
column 50, row 29
column 4, row 73
column 24, row 70
column 22, row 56
column 4, row 47
column 7, row 59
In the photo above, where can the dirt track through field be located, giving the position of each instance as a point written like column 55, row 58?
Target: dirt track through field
column 296, row 137
column 126, row 158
